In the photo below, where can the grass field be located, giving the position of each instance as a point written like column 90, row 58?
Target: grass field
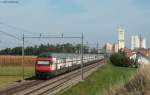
column 10, row 74
column 15, row 70
column 137, row 85
column 11, row 69
column 5, row 81
column 103, row 79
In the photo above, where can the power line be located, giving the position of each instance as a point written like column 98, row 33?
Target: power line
column 10, row 35
column 16, row 28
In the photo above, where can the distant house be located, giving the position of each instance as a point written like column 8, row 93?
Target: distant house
column 142, row 59
column 127, row 52
column 139, row 57
column 145, row 52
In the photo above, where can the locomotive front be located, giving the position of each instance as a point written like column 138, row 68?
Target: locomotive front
column 43, row 66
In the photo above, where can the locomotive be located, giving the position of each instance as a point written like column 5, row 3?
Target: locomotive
column 49, row 65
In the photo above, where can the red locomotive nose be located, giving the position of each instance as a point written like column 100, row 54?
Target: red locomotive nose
column 42, row 68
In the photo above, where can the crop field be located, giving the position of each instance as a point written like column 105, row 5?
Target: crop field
column 16, row 60
column 11, row 69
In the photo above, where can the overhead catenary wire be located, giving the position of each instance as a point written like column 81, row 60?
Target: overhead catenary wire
column 10, row 35
column 16, row 28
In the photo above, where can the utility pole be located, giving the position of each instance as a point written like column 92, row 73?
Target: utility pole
column 140, row 41
column 97, row 47
column 23, row 57
column 87, row 44
column 82, row 57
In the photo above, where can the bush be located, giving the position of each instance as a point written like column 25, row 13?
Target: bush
column 120, row 60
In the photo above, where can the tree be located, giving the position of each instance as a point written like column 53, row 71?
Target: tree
column 120, row 60
column 36, row 50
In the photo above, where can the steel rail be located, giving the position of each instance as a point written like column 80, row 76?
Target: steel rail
column 64, row 82
column 20, row 87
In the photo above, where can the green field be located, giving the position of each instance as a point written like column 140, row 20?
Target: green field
column 10, row 74
column 104, row 78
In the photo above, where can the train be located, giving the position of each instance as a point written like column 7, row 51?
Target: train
column 50, row 65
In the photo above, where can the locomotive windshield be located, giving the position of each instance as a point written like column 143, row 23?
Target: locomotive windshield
column 43, row 62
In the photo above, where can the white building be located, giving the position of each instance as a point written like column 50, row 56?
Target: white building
column 137, row 42
column 143, row 43
column 121, row 38
column 115, row 48
column 109, row 47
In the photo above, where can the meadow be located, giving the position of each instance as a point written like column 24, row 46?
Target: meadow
column 101, row 80
column 139, row 84
column 11, row 69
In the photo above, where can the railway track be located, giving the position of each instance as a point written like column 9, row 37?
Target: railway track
column 67, row 82
column 50, row 87
column 20, row 87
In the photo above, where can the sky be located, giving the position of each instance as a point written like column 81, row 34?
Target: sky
column 98, row 20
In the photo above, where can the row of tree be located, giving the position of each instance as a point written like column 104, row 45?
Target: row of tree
column 58, row 48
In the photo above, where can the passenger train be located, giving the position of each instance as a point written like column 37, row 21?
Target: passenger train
column 53, row 64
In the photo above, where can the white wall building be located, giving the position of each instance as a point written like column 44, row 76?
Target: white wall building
column 143, row 43
column 109, row 47
column 137, row 42
column 121, row 38
column 115, row 48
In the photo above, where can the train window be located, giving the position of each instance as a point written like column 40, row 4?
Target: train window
column 44, row 62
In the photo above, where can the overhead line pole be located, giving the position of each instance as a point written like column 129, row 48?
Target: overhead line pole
column 61, row 37
column 82, row 57
column 23, row 57
column 97, row 47
column 95, row 44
